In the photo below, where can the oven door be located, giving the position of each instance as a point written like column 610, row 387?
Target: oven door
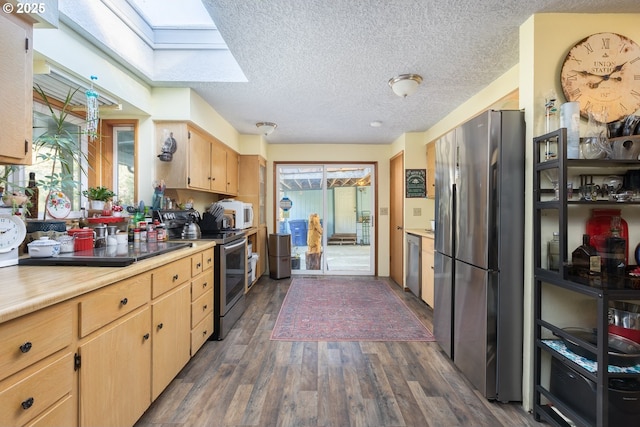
column 233, row 273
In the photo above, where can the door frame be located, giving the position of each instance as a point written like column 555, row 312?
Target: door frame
column 396, row 218
column 374, row 213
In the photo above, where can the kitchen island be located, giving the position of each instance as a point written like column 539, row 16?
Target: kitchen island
column 96, row 345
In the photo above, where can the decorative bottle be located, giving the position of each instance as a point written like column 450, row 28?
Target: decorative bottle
column 553, row 252
column 615, row 250
column 33, row 193
column 585, row 257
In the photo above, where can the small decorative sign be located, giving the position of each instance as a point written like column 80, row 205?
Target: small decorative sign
column 416, row 183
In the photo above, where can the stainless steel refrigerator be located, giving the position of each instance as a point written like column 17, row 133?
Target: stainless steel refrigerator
column 479, row 251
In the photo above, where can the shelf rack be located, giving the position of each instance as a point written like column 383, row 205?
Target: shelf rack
column 600, row 288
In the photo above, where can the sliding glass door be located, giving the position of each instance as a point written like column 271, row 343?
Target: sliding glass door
column 328, row 210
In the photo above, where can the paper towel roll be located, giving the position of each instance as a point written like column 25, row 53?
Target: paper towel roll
column 570, row 119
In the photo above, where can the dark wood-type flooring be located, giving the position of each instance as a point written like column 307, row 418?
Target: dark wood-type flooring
column 249, row 380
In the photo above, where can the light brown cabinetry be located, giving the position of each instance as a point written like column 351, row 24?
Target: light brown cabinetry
column 253, row 186
column 427, row 291
column 16, row 83
column 115, row 372
column 200, row 162
column 431, row 170
column 201, row 299
column 171, row 336
column 36, row 367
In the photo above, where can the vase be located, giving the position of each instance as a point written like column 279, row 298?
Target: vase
column 97, row 205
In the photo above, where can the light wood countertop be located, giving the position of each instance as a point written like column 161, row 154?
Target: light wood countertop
column 24, row 289
column 421, row 232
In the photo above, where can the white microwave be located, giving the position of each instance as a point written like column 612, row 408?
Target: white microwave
column 242, row 212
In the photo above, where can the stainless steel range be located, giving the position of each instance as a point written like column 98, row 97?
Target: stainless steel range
column 230, row 268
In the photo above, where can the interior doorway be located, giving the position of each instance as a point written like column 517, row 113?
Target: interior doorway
column 329, row 217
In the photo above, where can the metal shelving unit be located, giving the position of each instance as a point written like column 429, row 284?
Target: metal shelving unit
column 601, row 288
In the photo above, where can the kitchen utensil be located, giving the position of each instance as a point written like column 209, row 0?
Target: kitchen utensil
column 43, row 248
column 191, row 230
column 625, row 314
column 622, row 351
column 625, row 147
column 58, row 205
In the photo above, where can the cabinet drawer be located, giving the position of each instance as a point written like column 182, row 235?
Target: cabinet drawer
column 171, row 275
column 107, row 304
column 28, row 398
column 61, row 414
column 196, row 264
column 30, row 338
column 201, row 332
column 201, row 284
column 207, row 259
column 201, row 307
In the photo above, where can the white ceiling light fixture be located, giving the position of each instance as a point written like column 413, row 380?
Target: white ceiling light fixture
column 405, row 84
column 266, row 128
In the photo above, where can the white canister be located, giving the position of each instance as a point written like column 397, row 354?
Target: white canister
column 570, row 119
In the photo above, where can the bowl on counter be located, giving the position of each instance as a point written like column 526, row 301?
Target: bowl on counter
column 44, row 248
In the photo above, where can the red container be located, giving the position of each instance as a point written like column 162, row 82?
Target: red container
column 599, row 228
column 632, row 334
column 82, row 239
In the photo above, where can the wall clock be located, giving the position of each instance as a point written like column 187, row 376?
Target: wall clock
column 602, row 72
column 12, row 233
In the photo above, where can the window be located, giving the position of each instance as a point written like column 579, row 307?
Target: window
column 42, row 122
column 123, row 172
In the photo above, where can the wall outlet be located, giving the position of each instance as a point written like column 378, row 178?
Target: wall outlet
column 417, row 211
column 384, row 211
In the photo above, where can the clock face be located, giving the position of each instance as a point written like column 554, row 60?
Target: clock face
column 602, row 73
column 12, row 232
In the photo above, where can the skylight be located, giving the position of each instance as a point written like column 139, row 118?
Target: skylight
column 173, row 13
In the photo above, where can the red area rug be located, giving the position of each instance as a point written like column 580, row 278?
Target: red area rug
column 337, row 309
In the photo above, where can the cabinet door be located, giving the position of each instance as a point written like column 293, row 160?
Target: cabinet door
column 218, row 168
column 431, row 170
column 233, row 160
column 199, row 165
column 115, row 373
column 171, row 337
column 427, row 271
column 16, row 83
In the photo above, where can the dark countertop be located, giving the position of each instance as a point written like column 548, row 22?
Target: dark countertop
column 109, row 256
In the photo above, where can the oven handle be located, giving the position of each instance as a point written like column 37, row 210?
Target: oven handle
column 231, row 246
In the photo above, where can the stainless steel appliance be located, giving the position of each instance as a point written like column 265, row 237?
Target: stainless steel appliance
column 230, row 265
column 479, row 252
column 414, row 249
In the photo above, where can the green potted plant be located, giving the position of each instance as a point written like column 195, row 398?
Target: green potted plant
column 58, row 145
column 98, row 196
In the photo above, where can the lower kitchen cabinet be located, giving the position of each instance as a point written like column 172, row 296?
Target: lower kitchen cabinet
column 101, row 358
column 427, row 292
column 171, row 336
column 115, row 373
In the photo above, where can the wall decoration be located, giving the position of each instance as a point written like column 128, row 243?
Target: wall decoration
column 416, row 183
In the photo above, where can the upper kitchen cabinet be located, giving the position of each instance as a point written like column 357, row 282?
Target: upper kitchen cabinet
column 431, row 170
column 16, row 86
column 200, row 162
column 253, row 186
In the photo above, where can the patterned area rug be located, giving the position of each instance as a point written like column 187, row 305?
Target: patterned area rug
column 346, row 309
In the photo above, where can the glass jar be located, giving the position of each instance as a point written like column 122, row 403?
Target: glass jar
column 553, row 252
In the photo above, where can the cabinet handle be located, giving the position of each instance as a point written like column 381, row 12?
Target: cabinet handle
column 124, row 301
column 27, row 403
column 160, row 325
column 175, row 277
column 198, row 265
column 204, row 333
column 204, row 307
column 146, row 336
column 209, row 261
column 24, row 348
column 204, row 285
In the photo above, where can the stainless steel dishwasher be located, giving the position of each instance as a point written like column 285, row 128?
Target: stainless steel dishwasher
column 414, row 276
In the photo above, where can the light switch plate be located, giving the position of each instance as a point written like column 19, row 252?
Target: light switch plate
column 384, row 211
column 417, row 211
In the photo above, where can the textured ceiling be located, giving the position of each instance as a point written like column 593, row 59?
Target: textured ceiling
column 319, row 69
